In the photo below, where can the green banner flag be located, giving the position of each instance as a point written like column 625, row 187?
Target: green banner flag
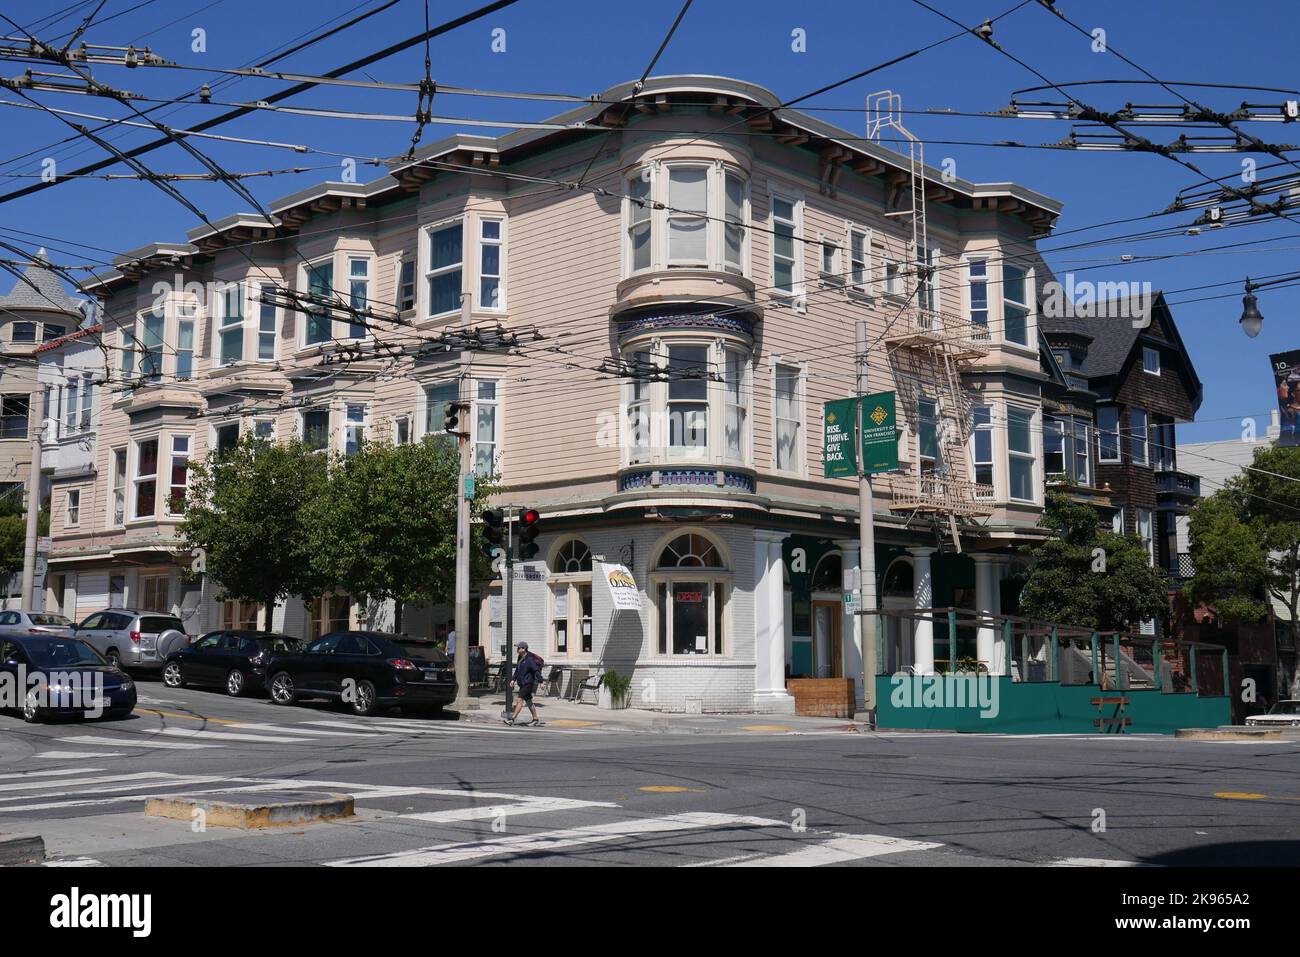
column 840, row 422
column 879, row 433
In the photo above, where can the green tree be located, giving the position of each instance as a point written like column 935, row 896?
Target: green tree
column 386, row 526
column 13, row 532
column 1088, row 577
column 1230, row 561
column 247, row 510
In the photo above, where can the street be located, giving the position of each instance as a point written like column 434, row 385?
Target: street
column 437, row 791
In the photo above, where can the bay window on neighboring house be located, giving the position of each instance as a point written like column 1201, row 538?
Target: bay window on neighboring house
column 319, row 280
column 691, row 586
column 788, row 419
column 149, row 343
column 358, row 292
column 688, row 214
column 1108, row 434
column 1137, row 437
column 436, row 399
column 230, row 325
column 268, row 325
column 487, row 425
column 145, row 480
column 977, row 277
column 982, row 450
column 118, row 490
column 355, row 433
column 1164, row 453
column 315, row 426
column 491, row 264
column 1015, row 305
column 1020, row 454
column 570, row 585
column 444, row 275
column 179, row 477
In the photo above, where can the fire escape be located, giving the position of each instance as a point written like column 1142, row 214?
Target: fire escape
column 927, row 350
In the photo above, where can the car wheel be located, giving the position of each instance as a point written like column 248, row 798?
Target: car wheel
column 31, row 712
column 171, row 675
column 364, row 700
column 113, row 657
column 282, row 691
column 235, row 683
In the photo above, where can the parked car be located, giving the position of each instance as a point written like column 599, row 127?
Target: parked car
column 23, row 623
column 133, row 638
column 235, row 660
column 1284, row 714
column 65, row 663
column 367, row 670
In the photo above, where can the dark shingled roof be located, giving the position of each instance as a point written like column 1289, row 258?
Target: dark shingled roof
column 48, row 293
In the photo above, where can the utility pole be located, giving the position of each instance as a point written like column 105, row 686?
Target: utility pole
column 866, row 548
column 510, row 601
column 33, row 514
column 463, row 700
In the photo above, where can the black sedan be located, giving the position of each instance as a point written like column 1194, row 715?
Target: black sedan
column 42, row 677
column 367, row 670
column 234, row 660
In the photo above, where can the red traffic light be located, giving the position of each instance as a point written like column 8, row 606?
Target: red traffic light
column 530, row 516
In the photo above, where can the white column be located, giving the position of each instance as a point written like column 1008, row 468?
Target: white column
column 923, row 597
column 769, row 628
column 851, row 625
column 996, row 568
column 986, row 634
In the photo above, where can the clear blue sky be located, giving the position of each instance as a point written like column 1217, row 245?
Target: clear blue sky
column 584, row 47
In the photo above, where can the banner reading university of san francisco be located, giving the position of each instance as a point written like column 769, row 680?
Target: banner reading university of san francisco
column 1286, row 379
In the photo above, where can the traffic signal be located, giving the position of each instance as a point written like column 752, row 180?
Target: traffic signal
column 494, row 521
column 529, row 528
column 451, row 418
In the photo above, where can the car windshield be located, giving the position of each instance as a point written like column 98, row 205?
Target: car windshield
column 1285, row 707
column 55, row 621
column 422, row 649
column 62, row 653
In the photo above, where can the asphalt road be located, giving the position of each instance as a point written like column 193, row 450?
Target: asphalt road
column 432, row 791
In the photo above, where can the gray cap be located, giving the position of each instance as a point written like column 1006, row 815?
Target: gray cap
column 523, row 645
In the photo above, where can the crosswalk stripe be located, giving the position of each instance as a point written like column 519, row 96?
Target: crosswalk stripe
column 485, row 812
column 554, row 840
column 228, row 735
column 35, row 785
column 171, row 781
column 124, row 742
column 840, row 848
column 1092, row 862
column 308, row 732
column 77, row 755
column 61, row 772
column 75, row 862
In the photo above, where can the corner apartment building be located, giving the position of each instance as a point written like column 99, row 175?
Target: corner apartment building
column 701, row 295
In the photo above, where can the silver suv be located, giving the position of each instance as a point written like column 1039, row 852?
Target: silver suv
column 133, row 639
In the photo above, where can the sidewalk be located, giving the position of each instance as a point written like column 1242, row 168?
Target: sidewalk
column 558, row 713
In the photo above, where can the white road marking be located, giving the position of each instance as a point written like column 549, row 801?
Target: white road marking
column 723, row 861
column 228, row 735
column 75, row 862
column 157, row 785
column 66, row 782
column 26, row 775
column 485, row 812
column 1092, row 862
column 840, row 848
column 554, row 840
column 124, row 742
column 77, row 755
column 308, row 732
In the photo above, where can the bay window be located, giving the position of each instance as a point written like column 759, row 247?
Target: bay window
column 180, row 467
column 146, row 478
column 788, row 415
column 1020, row 454
column 639, row 230
column 1138, row 437
column 185, row 349
column 320, row 284
column 691, row 590
column 487, row 425
column 733, row 258
column 355, row 434
column 688, row 400
column 316, row 428
column 151, row 344
column 444, row 276
column 267, row 326
column 358, row 292
column 1015, row 305
column 977, row 271
column 687, row 207
column 982, row 448
column 230, row 324
column 491, row 262
column 734, row 412
column 1107, row 434
column 638, row 410
column 685, row 215
column 119, row 486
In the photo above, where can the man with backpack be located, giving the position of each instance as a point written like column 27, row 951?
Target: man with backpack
column 527, row 676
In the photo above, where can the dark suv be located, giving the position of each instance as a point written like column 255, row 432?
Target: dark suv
column 367, row 670
column 235, row 660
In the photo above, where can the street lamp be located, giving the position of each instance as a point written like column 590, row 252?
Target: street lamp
column 1251, row 318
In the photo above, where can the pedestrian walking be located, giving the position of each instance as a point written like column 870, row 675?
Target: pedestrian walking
column 525, row 680
column 451, row 640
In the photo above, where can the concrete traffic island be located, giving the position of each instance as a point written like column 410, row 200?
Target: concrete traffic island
column 249, row 812
column 21, row 849
column 1228, row 733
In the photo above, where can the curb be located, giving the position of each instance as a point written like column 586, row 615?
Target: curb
column 1226, row 734
column 308, row 808
column 21, row 849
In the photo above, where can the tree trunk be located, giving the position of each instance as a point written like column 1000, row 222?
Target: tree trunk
column 270, row 613
column 397, row 615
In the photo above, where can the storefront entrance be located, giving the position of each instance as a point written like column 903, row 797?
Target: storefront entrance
column 828, row 654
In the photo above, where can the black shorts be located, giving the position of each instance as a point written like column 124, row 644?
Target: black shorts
column 526, row 693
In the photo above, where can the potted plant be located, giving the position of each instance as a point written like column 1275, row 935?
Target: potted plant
column 613, row 690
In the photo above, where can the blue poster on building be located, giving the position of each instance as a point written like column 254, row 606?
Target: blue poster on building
column 1286, row 378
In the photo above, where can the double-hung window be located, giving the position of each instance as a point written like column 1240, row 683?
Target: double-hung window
column 487, row 425
column 735, row 412
column 733, row 234
column 22, row 332
column 830, row 260
column 1082, row 463
column 72, row 508
column 1137, row 437
column 70, row 396
column 316, row 428
column 977, row 271
column 1020, row 454
column 358, row 292
column 1146, row 532
column 264, row 429
column 1164, row 456
column 638, row 408
column 230, row 324
column 1107, row 434
column 789, row 419
column 225, row 437
column 785, row 240
column 859, row 271
column 127, row 348
column 320, row 284
column 982, row 450
column 406, row 283
column 688, row 400
column 179, row 477
column 639, row 221
column 893, row 278
column 927, row 296
column 1054, row 453
column 151, row 345
column 146, row 478
column 688, row 233
column 50, row 332
column 185, row 341
column 119, row 486
column 267, row 326
column 436, row 399
column 446, row 247
column 1015, row 305
column 356, row 429
column 491, row 264
column 15, row 409
column 927, row 435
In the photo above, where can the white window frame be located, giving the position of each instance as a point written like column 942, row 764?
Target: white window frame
column 685, row 452
column 930, row 285
column 119, row 485
column 640, row 415
column 799, row 464
column 500, row 276
column 173, row 453
column 861, row 283
column 222, row 326
column 398, row 422
column 982, row 328
column 1033, row 455
column 1149, row 352
column 713, row 578
column 1102, row 458
column 795, row 294
column 144, row 350
column 736, row 402
column 72, row 508
column 496, row 405
column 404, row 259
column 354, row 429
column 922, row 421
column 304, row 284
column 428, row 272
column 262, row 331
column 186, row 321
column 215, row 431
column 832, row 271
column 1031, row 325
column 655, row 211
column 357, row 331
column 257, row 428
column 302, row 425
column 136, row 480
column 1134, row 434
column 423, row 406
column 985, row 411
